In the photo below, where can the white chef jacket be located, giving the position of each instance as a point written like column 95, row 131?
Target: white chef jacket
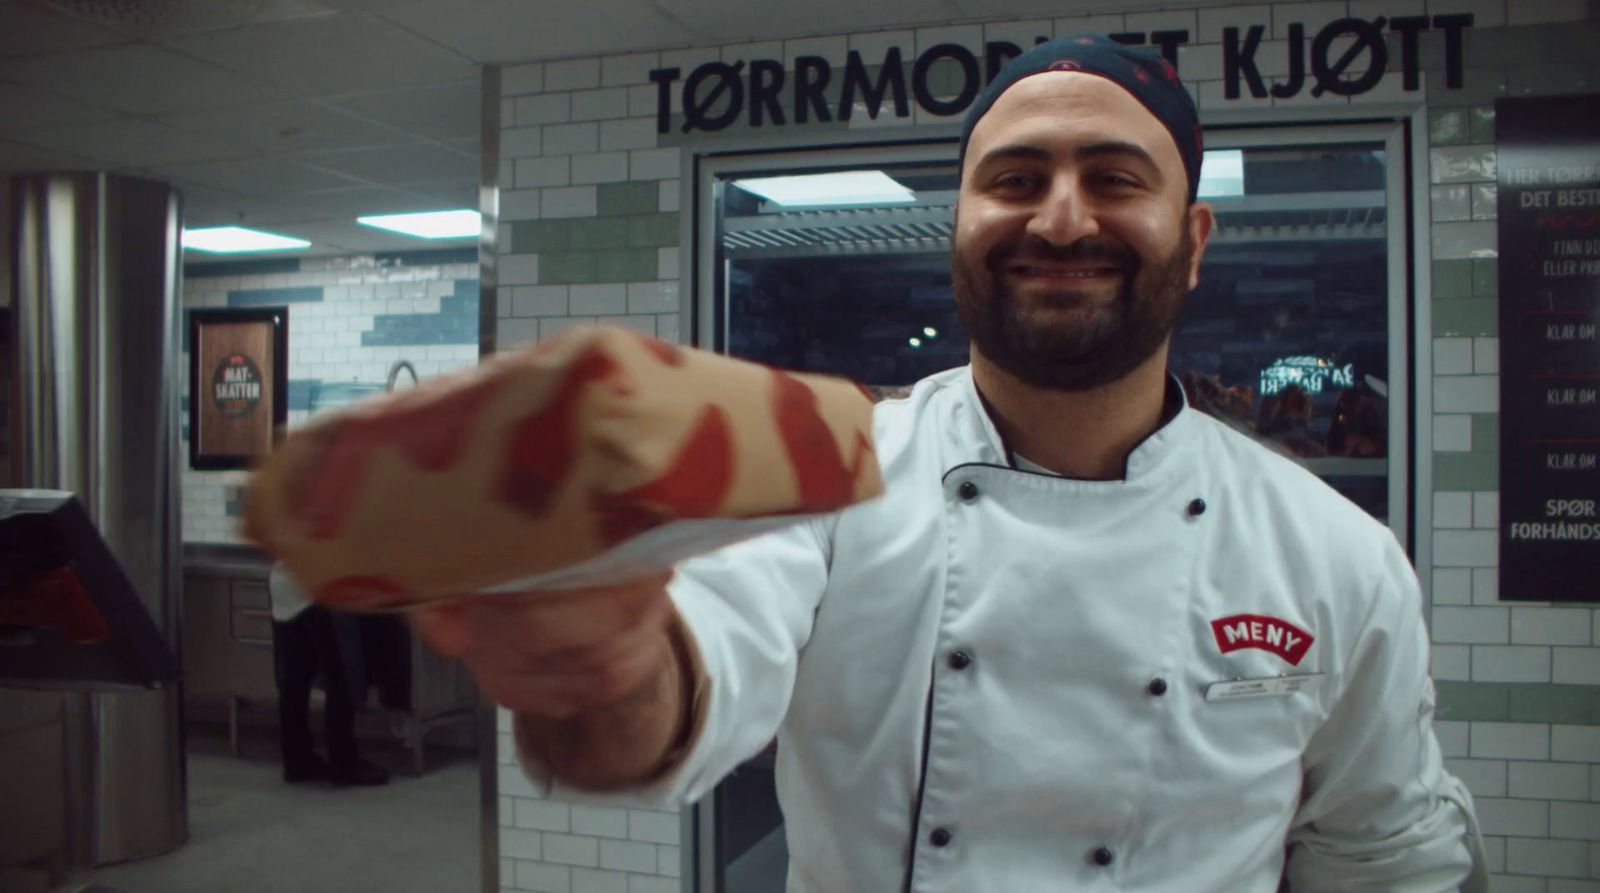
column 995, row 680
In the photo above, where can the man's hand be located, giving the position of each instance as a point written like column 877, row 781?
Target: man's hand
column 595, row 676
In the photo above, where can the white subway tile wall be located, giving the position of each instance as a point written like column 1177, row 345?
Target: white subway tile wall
column 1538, row 841
column 578, row 127
column 352, row 319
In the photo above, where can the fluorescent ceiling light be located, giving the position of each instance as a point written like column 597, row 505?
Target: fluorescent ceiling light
column 458, row 224
column 237, row 240
column 1222, row 173
column 843, row 188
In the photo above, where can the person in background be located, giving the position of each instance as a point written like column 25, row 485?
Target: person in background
column 1089, row 638
column 304, row 644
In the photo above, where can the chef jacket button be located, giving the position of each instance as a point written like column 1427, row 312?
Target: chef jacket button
column 1157, row 687
column 960, row 659
column 968, row 490
column 1197, row 508
column 1102, row 856
column 940, row 837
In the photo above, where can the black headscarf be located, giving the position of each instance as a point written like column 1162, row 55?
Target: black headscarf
column 1150, row 78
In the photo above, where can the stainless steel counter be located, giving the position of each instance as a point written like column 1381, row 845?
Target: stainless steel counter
column 227, row 653
column 225, row 560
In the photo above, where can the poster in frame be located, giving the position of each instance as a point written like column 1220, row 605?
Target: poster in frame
column 238, row 385
column 1548, row 236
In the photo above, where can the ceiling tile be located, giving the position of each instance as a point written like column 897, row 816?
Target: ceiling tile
column 517, row 30
column 398, row 165
column 343, row 53
column 445, row 112
column 260, row 176
column 203, row 205
column 23, row 108
column 134, row 144
column 352, row 236
column 289, row 125
column 26, row 29
column 337, row 204
column 157, row 18
column 451, row 194
column 18, row 159
column 138, row 78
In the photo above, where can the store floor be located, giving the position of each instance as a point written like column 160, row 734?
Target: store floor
column 251, row 833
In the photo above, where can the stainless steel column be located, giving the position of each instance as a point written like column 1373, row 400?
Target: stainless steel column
column 95, row 263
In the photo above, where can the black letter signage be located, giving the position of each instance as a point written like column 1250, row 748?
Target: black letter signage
column 1548, row 220
column 716, row 94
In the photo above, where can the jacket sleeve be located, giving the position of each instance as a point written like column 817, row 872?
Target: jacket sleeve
column 1378, row 811
column 748, row 609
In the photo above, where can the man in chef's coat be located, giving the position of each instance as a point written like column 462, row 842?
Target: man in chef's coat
column 1090, row 639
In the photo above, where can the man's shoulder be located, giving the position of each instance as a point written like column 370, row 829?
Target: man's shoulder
column 896, row 417
column 1284, row 484
column 1295, row 527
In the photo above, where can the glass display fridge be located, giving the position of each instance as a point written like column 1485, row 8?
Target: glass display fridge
column 837, row 261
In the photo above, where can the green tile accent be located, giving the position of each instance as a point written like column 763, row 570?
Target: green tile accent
column 1485, row 277
column 1466, row 316
column 1544, row 79
column 1477, row 470
column 567, row 268
column 1485, row 434
column 616, row 199
column 1577, row 705
column 653, row 231
column 261, row 297
column 1473, row 701
column 1531, row 702
column 426, row 257
column 1572, row 41
column 1568, row 42
column 1482, row 124
column 1447, row 127
column 531, row 236
column 598, row 233
column 626, row 265
column 1452, row 279
column 212, row 269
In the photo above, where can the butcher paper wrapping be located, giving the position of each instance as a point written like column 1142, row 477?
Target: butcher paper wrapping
column 594, row 458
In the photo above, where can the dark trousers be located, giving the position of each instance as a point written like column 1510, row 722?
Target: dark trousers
column 301, row 648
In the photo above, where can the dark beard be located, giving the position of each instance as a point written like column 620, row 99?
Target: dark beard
column 1078, row 357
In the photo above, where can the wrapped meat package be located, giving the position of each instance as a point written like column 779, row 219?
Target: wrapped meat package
column 594, row 458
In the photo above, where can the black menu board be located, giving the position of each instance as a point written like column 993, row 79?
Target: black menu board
column 1549, row 228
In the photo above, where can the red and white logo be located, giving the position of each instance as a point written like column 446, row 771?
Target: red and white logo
column 1280, row 637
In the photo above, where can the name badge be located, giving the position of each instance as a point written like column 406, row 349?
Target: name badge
column 1270, row 686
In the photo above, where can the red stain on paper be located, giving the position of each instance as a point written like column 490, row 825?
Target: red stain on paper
column 695, row 485
column 670, row 354
column 364, row 591
column 543, row 447
column 430, row 435
column 825, row 481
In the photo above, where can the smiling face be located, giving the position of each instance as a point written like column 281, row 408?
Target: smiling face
column 1075, row 244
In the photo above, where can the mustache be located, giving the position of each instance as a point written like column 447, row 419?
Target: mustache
column 1088, row 248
